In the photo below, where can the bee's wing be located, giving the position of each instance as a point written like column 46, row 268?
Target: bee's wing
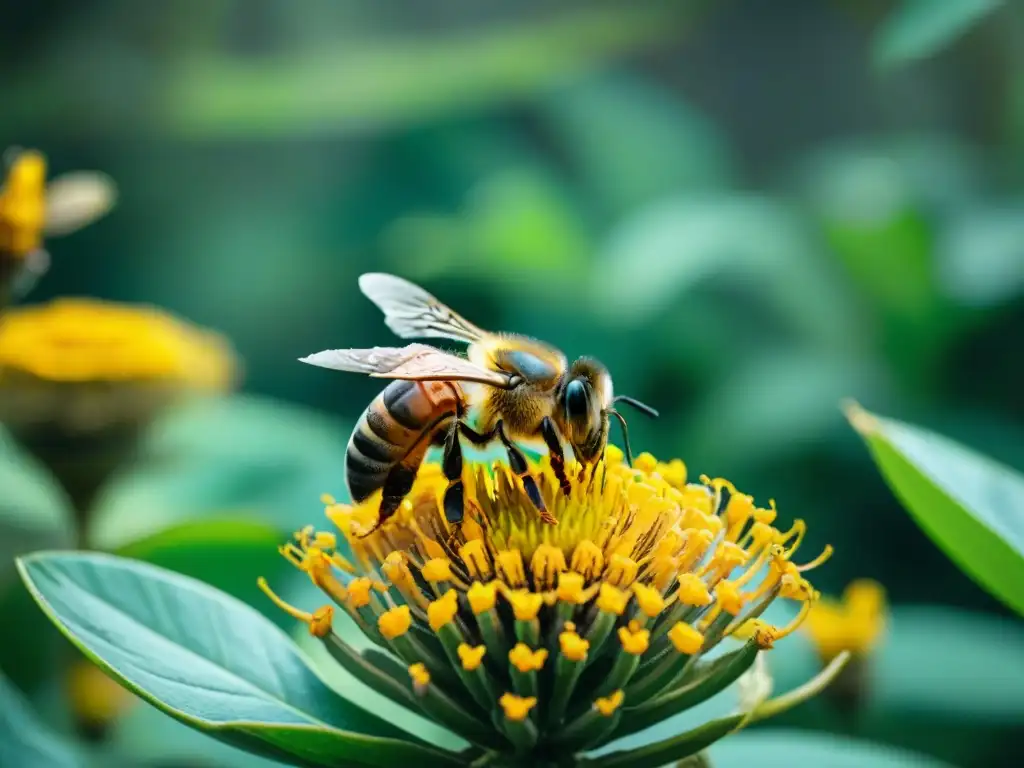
column 416, row 362
column 76, row 199
column 34, row 267
column 412, row 313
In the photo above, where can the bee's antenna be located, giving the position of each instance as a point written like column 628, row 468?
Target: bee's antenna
column 642, row 407
column 625, row 435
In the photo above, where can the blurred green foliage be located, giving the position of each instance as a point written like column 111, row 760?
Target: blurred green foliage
column 727, row 203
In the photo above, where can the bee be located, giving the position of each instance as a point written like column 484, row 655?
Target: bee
column 30, row 208
column 512, row 388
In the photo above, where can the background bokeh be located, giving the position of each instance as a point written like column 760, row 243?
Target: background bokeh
column 749, row 210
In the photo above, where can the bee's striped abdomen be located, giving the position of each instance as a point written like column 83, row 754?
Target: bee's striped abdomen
column 392, row 435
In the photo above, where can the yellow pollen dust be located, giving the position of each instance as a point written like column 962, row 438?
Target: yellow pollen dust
column 685, row 638
column 359, row 592
column 437, row 569
column 634, row 640
column 471, row 656
column 612, row 600
column 395, row 622
column 482, row 597
column 525, row 605
column 574, row 647
column 649, row 600
column 608, row 705
column 441, row 611
column 419, row 674
column 526, row 660
column 729, row 597
column 517, row 708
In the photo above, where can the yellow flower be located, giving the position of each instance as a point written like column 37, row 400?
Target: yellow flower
column 82, row 364
column 855, row 623
column 645, row 573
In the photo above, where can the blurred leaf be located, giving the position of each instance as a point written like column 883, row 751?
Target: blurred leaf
column 227, row 554
column 789, row 395
column 34, row 510
column 632, row 142
column 209, row 660
column 784, row 749
column 971, row 506
column 24, row 741
column 355, row 85
column 241, row 456
column 664, row 250
column 917, row 29
column 147, row 736
column 981, row 256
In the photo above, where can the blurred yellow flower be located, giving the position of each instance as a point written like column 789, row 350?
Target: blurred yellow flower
column 95, row 698
column 855, row 623
column 81, row 364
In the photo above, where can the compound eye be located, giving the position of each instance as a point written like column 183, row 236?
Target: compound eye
column 577, row 401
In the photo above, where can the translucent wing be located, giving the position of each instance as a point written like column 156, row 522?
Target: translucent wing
column 76, row 199
column 412, row 313
column 35, row 265
column 418, row 362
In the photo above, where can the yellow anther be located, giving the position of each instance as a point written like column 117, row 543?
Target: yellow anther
column 574, row 647
column 511, row 564
column 649, row 600
column 397, row 571
column 437, row 569
column 728, row 556
column 471, row 656
column 395, row 622
column 729, row 597
column 685, row 638
column 570, row 588
column 546, row 564
column 739, row 509
column 420, row 676
column 325, row 540
column 441, row 611
column 612, row 600
column 762, row 534
column 481, row 597
column 587, row 559
column 674, row 473
column 517, row 708
column 645, row 462
column 359, row 592
column 525, row 605
column 693, row 591
column 662, row 570
column 763, row 633
column 634, row 640
column 853, row 624
column 478, row 564
column 795, row 588
column 327, row 500
column 608, row 705
column 621, row 571
column 320, row 623
column 613, row 454
column 526, row 660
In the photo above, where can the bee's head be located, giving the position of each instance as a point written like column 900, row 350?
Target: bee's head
column 586, row 401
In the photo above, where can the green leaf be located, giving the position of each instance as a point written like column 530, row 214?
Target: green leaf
column 918, row 29
column 971, row 506
column 244, row 456
column 24, row 741
column 784, row 749
column 355, row 84
column 229, row 554
column 209, row 661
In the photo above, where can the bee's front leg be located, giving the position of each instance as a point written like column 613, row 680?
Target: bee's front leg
column 550, row 434
column 517, row 461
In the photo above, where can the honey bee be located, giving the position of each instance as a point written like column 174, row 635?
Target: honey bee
column 513, row 387
column 30, row 208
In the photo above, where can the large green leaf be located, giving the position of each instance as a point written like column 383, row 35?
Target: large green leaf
column 242, row 456
column 920, row 28
column 210, row 661
column 971, row 506
column 24, row 741
column 784, row 749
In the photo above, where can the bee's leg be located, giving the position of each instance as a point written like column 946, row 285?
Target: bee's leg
column 396, row 487
column 451, row 464
column 517, row 461
column 550, row 434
